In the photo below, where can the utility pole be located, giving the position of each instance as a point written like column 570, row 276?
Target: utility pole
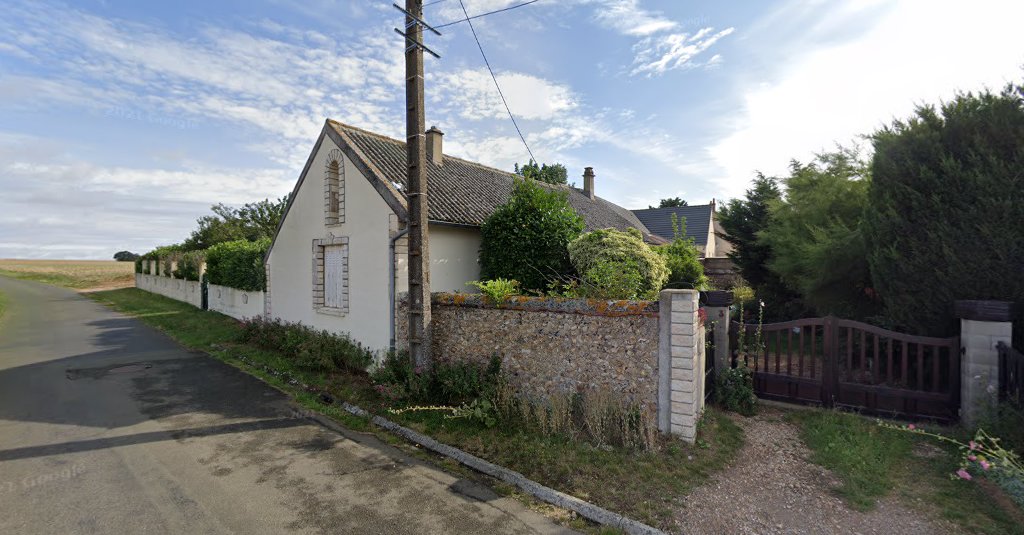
column 416, row 190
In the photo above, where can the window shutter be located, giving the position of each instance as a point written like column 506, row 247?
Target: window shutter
column 335, row 275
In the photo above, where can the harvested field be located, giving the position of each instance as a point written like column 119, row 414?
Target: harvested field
column 77, row 274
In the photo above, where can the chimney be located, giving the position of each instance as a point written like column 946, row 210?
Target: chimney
column 434, row 145
column 588, row 182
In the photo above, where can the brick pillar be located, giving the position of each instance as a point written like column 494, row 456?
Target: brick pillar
column 983, row 324
column 680, row 364
column 717, row 307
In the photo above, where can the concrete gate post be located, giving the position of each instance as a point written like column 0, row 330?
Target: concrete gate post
column 983, row 324
column 680, row 364
column 717, row 307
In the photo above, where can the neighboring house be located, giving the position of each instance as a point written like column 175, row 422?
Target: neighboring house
column 339, row 256
column 702, row 225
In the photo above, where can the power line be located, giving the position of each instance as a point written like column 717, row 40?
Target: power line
column 432, row 3
column 495, row 78
column 468, row 18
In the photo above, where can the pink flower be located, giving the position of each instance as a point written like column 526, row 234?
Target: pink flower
column 911, row 427
column 972, row 458
column 973, row 445
column 985, row 465
column 963, row 474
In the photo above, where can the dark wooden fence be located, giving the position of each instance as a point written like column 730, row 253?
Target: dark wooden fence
column 1011, row 374
column 838, row 362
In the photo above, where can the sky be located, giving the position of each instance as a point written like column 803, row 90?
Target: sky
column 121, row 122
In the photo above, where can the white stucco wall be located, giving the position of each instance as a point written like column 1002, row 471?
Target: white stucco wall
column 178, row 289
column 453, row 258
column 291, row 260
column 239, row 304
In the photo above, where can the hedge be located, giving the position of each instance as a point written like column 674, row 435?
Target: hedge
column 189, row 264
column 945, row 216
column 238, row 264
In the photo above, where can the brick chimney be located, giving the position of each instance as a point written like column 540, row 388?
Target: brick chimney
column 434, row 145
column 588, row 182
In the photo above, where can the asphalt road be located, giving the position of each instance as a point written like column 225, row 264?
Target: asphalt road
column 108, row 426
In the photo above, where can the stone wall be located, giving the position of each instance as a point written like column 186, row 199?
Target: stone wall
column 551, row 346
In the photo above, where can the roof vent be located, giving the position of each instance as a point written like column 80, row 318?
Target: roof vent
column 434, row 145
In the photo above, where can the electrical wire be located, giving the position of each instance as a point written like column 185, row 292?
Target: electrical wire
column 495, row 78
column 468, row 18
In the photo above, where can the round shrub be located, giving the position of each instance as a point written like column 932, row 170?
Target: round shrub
column 617, row 265
column 525, row 239
column 238, row 264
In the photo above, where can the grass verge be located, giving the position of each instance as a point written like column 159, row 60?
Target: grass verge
column 3, row 305
column 873, row 462
column 646, row 486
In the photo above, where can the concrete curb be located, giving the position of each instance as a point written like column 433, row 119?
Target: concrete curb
column 545, row 494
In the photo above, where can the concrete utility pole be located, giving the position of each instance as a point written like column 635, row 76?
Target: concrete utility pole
column 419, row 245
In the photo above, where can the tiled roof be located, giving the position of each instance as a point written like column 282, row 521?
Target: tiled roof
column 466, row 193
column 659, row 221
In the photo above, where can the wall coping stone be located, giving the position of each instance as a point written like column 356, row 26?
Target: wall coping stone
column 984, row 310
column 563, row 305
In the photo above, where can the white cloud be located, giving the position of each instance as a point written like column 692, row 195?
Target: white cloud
column 627, row 17
column 918, row 52
column 471, row 94
column 81, row 210
column 659, row 54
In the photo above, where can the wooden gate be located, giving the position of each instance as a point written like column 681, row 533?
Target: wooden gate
column 1011, row 373
column 838, row 362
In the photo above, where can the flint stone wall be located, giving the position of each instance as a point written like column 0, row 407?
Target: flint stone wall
column 551, row 345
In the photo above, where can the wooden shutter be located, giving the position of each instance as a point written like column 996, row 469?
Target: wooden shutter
column 335, row 275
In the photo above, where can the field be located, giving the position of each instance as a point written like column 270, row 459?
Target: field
column 76, row 274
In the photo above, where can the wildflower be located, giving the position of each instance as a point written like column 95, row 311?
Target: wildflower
column 911, row 427
column 762, row 304
column 963, row 474
column 973, row 445
column 985, row 465
column 972, row 458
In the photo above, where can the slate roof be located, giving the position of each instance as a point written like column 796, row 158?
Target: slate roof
column 698, row 221
column 466, row 193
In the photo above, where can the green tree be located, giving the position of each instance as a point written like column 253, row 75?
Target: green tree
column 125, row 256
column 525, row 239
column 682, row 259
column 252, row 221
column 742, row 220
column 617, row 265
column 814, row 234
column 946, row 209
column 671, row 202
column 552, row 174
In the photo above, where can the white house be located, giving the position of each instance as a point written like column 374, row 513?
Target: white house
column 338, row 257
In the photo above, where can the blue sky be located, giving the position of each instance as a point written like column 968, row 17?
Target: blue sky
column 122, row 121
